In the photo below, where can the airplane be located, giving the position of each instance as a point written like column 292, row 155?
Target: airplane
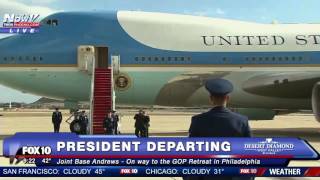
column 166, row 59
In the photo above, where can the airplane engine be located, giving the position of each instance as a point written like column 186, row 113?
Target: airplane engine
column 315, row 99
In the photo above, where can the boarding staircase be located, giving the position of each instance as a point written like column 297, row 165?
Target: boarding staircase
column 101, row 98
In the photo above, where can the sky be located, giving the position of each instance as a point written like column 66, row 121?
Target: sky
column 266, row 11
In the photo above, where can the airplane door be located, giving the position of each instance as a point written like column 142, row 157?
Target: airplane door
column 102, row 57
column 115, row 61
column 86, row 58
column 89, row 56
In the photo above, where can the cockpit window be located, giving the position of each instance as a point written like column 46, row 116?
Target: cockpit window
column 52, row 22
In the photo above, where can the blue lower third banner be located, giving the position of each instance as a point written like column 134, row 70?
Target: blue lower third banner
column 45, row 149
column 116, row 171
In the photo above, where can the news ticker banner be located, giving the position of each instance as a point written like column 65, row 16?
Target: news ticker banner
column 139, row 171
column 67, row 149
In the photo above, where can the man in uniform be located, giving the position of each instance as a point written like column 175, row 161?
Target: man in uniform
column 83, row 118
column 56, row 120
column 219, row 121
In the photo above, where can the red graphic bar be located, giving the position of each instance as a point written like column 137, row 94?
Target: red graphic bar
column 26, row 24
column 312, row 172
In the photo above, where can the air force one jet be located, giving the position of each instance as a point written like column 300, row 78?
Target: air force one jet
column 166, row 58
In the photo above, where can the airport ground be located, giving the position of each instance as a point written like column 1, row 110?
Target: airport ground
column 168, row 123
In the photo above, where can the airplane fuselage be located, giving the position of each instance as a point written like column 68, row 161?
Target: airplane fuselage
column 166, row 57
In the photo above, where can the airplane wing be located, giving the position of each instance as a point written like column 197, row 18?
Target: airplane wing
column 295, row 85
column 178, row 90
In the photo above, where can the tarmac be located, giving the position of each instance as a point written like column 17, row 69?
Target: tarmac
column 167, row 123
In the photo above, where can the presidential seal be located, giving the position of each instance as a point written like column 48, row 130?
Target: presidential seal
column 122, row 82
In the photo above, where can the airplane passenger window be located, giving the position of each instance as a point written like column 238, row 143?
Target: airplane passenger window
column 49, row 22
column 54, row 22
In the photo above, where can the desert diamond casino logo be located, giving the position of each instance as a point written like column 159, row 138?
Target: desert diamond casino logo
column 20, row 23
column 269, row 146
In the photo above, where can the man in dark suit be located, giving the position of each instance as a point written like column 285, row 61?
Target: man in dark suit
column 116, row 118
column 56, row 120
column 139, row 124
column 219, row 121
column 108, row 124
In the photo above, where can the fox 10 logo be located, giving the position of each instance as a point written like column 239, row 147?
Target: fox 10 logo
column 20, row 24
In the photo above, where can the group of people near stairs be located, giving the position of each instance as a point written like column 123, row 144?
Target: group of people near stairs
column 111, row 122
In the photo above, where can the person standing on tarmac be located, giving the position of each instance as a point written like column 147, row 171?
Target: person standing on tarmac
column 116, row 122
column 108, row 124
column 219, row 121
column 56, row 120
column 146, row 122
column 139, row 124
column 83, row 118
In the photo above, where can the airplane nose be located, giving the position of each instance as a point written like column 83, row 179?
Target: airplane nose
column 2, row 41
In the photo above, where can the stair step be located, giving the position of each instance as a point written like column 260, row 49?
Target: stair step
column 102, row 84
column 102, row 104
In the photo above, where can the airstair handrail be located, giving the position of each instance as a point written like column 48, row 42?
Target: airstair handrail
column 92, row 96
column 113, row 104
